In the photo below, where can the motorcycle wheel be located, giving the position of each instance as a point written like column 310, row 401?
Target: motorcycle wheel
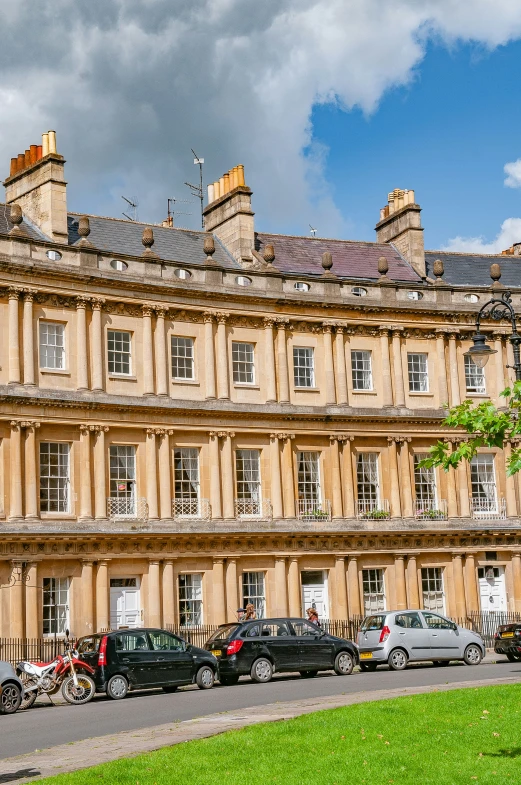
column 29, row 697
column 81, row 694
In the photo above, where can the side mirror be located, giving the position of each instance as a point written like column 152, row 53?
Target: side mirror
column 455, row 627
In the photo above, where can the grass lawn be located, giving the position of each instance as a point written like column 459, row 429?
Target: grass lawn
column 465, row 736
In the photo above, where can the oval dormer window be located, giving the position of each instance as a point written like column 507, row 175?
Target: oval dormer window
column 359, row 291
column 54, row 256
column 183, row 274
column 242, row 280
column 302, row 286
column 414, row 295
column 118, row 265
column 471, row 298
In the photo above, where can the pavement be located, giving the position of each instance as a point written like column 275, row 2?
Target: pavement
column 48, row 740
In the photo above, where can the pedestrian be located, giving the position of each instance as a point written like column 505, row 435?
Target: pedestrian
column 250, row 612
column 313, row 616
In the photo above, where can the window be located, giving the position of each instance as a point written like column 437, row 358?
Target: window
column 243, row 363
column 305, row 629
column 242, row 280
column 253, row 592
column 54, row 256
column 483, row 483
column 367, row 479
column 471, row 298
column 132, row 642
column 418, row 373
column 361, row 370
column 474, row 376
column 123, row 477
column 119, row 265
column 182, row 358
column 164, row 641
column 435, row 622
column 183, row 275
column 409, row 621
column 374, row 595
column 119, row 345
column 186, row 471
column 424, row 482
column 432, row 589
column 301, row 286
column 247, row 463
column 55, row 605
column 359, row 291
column 303, row 366
column 414, row 295
column 191, row 599
column 309, row 476
column 54, row 477
column 52, row 345
column 276, row 629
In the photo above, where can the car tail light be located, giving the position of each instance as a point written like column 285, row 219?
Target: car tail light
column 102, row 654
column 234, row 647
column 384, row 634
column 496, row 635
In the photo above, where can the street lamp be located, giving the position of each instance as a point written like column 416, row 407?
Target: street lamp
column 497, row 308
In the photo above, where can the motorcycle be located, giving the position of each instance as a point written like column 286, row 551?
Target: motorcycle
column 66, row 671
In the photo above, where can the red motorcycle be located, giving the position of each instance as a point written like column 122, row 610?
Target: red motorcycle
column 66, row 671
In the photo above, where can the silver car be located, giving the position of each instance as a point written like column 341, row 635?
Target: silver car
column 395, row 638
column 11, row 689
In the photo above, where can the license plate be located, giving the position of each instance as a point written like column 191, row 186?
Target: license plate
column 507, row 634
column 366, row 655
column 217, row 652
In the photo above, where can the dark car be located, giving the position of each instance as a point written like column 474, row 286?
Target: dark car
column 140, row 659
column 262, row 647
column 507, row 640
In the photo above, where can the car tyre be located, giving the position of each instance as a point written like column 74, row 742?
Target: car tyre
column 473, row 655
column 229, row 681
column 368, row 666
column 205, row 678
column 397, row 660
column 344, row 663
column 262, row 671
column 308, row 674
column 117, row 687
column 170, row 688
column 10, row 699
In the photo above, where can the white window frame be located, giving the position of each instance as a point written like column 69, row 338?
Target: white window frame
column 488, row 501
column 425, row 485
column 254, row 590
column 116, row 356
column 373, row 590
column 191, row 596
column 362, row 370
column 187, row 359
column 60, row 617
column 367, row 475
column 418, row 370
column 304, row 366
column 59, row 350
column 243, row 362
column 475, row 381
column 62, row 478
column 187, row 480
column 308, row 476
column 433, row 590
column 248, row 478
column 122, row 452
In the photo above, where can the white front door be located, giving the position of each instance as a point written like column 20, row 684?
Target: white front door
column 125, row 610
column 314, row 592
column 492, row 591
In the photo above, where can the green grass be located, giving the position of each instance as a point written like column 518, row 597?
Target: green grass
column 466, row 736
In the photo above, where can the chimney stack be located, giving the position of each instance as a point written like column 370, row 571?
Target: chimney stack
column 36, row 182
column 400, row 224
column 229, row 214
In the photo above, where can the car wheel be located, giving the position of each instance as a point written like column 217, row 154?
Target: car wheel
column 10, row 699
column 343, row 663
column 368, row 666
column 308, row 674
column 170, row 688
column 513, row 657
column 441, row 663
column 117, row 687
column 262, row 670
column 397, row 660
column 229, row 681
column 473, row 655
column 205, row 678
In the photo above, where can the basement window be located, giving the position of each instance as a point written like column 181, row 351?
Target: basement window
column 118, row 265
column 302, row 286
column 184, row 275
column 414, row 296
column 359, row 291
column 471, row 298
column 242, row 280
column 54, row 256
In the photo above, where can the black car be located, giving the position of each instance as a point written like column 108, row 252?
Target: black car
column 507, row 640
column 139, row 659
column 262, row 647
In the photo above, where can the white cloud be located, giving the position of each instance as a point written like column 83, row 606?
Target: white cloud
column 513, row 172
column 509, row 234
column 130, row 86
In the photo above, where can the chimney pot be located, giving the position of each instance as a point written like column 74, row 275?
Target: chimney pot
column 45, row 145
column 27, row 158
column 211, row 196
column 33, row 151
column 21, row 162
column 52, row 141
column 39, row 148
column 14, row 166
column 226, row 178
column 240, row 175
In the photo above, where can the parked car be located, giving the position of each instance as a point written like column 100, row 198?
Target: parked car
column 11, row 689
column 507, row 640
column 396, row 638
column 126, row 660
column 262, row 647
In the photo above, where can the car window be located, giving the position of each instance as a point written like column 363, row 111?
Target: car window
column 163, row 641
column 410, row 621
column 252, row 632
column 275, row 629
column 88, row 645
column 305, row 628
column 373, row 623
column 223, row 633
column 136, row 642
column 436, row 622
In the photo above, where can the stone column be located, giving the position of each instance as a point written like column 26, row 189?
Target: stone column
column 28, row 335
column 348, row 484
column 165, row 475
column 96, row 346
column 100, row 473
column 281, row 589
column 215, row 476
column 340, row 611
column 85, row 474
column 442, row 368
column 87, row 597
column 82, row 381
column 154, row 597
column 500, row 369
column 219, row 604
column 288, row 477
column 276, row 488
column 399, row 578
column 227, row 475
column 396, row 510
column 160, row 347
column 32, row 628
column 455, row 398
column 223, row 382
column 282, row 357
column 341, row 372
column 269, row 359
column 516, row 579
column 452, row 497
column 209, row 354
column 232, row 599
column 295, row 601
column 15, row 469
column 31, row 491
column 336, row 482
column 471, row 583
column 399, row 392
column 151, row 471
column 16, row 598
column 387, row 390
column 459, row 587
column 355, row 607
column 412, row 582
column 327, row 338
column 405, row 472
column 148, row 351
column 168, row 593
column 102, row 596
column 14, row 336
column 463, row 490
column 510, row 488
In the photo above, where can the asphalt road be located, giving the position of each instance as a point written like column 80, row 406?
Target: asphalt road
column 45, row 726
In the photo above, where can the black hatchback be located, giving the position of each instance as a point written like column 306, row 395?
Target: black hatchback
column 262, row 647
column 126, row 660
column 507, row 640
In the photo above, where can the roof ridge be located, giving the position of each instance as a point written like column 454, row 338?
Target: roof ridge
column 317, row 239
column 136, row 223
column 473, row 253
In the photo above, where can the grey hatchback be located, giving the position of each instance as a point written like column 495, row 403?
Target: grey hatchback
column 395, row 638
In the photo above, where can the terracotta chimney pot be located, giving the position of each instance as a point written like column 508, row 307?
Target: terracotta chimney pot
column 33, row 153
column 39, row 154
column 21, row 162
column 14, row 166
column 27, row 157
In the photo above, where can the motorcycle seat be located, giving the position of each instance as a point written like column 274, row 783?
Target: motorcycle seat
column 37, row 668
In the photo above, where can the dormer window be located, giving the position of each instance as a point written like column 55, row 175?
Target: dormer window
column 183, row 274
column 118, row 265
column 471, row 298
column 414, row 295
column 54, row 256
column 359, row 291
column 301, row 286
column 242, row 280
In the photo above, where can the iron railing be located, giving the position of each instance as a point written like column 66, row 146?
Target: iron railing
column 485, row 509
column 127, row 508
column 196, row 509
column 314, row 510
column 248, row 508
column 430, row 511
column 370, row 510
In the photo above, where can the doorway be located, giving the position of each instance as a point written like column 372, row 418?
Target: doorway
column 492, row 592
column 125, row 603
column 314, row 591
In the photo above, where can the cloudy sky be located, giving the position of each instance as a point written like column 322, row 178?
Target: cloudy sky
column 329, row 104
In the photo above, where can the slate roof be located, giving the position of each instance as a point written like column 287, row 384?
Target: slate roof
column 27, row 227
column 467, row 269
column 350, row 259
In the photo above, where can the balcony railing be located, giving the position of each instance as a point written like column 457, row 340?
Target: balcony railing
column 191, row 509
column 430, row 511
column 485, row 509
column 123, row 508
column 314, row 510
column 259, row 510
column 371, row 510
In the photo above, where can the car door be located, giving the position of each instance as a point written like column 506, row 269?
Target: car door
column 135, row 654
column 173, row 661
column 409, row 631
column 315, row 649
column 278, row 638
column 444, row 639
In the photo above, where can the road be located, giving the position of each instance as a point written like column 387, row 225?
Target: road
column 45, row 726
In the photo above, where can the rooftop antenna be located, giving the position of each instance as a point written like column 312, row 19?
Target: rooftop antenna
column 171, row 211
column 197, row 190
column 312, row 230
column 133, row 209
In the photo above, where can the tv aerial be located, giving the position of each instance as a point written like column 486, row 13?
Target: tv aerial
column 172, row 212
column 197, row 190
column 132, row 209
column 312, row 230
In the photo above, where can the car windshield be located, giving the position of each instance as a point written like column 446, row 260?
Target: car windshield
column 89, row 645
column 373, row 623
column 223, row 633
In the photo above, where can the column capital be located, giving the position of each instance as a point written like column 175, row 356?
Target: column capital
column 15, row 425
column 97, row 303
column 341, row 437
column 222, row 317
column 170, row 561
column 268, row 321
column 396, row 330
column 88, row 562
column 82, row 301
column 161, row 311
column 282, row 436
column 28, row 424
column 282, row 323
column 226, row 434
column 14, row 292
column 327, row 327
column 29, row 295
column 99, row 428
column 218, row 560
column 147, row 309
column 399, row 556
column 208, row 317
column 154, row 561
column 453, row 335
column 150, row 431
column 280, row 559
column 384, row 329
column 441, row 332
column 456, row 556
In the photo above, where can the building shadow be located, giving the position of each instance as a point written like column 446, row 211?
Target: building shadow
column 11, row 776
column 515, row 752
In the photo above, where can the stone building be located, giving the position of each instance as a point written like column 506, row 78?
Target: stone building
column 192, row 420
